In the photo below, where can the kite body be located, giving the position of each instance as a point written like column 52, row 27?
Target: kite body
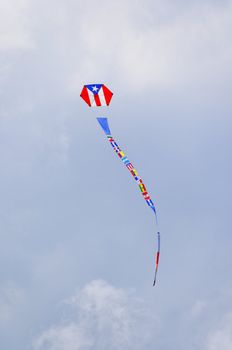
column 96, row 95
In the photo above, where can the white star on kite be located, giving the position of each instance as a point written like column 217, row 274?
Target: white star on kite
column 94, row 88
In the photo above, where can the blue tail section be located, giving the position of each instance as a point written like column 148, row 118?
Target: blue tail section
column 104, row 124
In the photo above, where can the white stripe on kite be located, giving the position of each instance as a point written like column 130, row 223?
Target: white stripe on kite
column 91, row 98
column 102, row 97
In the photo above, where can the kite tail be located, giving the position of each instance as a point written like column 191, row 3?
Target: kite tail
column 157, row 257
column 156, row 218
column 105, row 126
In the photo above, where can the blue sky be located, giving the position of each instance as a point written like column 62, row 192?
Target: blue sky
column 77, row 240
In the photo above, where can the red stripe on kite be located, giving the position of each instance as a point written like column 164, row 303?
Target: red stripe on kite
column 107, row 93
column 84, row 94
column 97, row 100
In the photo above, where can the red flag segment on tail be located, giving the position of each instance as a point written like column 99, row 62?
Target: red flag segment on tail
column 157, row 257
column 96, row 95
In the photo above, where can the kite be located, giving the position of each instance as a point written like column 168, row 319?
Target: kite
column 96, row 95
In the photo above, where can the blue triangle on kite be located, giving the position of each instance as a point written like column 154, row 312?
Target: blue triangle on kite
column 94, row 88
column 104, row 124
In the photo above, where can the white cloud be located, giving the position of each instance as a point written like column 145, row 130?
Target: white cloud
column 69, row 336
column 221, row 338
column 137, row 46
column 14, row 33
column 149, row 44
column 103, row 317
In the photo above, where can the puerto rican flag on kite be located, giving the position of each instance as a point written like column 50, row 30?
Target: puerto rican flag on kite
column 96, row 95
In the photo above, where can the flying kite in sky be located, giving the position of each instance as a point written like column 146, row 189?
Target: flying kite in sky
column 96, row 95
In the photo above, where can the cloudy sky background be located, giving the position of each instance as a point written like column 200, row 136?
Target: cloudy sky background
column 77, row 240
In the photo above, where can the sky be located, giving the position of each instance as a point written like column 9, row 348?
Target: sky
column 77, row 240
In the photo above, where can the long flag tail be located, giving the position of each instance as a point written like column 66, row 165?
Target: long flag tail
column 105, row 126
